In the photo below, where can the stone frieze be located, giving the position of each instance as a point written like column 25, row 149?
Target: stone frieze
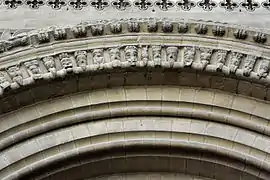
column 228, row 62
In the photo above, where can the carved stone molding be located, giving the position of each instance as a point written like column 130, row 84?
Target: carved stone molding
column 125, row 26
column 136, row 56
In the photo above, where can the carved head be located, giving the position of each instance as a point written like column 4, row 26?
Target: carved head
column 172, row 53
column 206, row 54
column 49, row 62
column 81, row 58
column 236, row 59
column 264, row 68
column 114, row 54
column 189, row 54
column 250, row 62
column 156, row 53
column 33, row 66
column 131, row 54
column 221, row 56
column 60, row 33
column 98, row 57
column 14, row 71
column 65, row 60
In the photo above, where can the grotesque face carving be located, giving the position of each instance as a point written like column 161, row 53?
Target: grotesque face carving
column 49, row 62
column 66, row 61
column 189, row 54
column 98, row 57
column 221, row 56
column 81, row 58
column 131, row 54
column 172, row 53
column 235, row 61
column 264, row 68
column 33, row 66
column 114, row 54
column 156, row 53
column 249, row 64
column 206, row 54
column 14, row 71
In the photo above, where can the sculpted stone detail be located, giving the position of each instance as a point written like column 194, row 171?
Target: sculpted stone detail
column 260, row 37
column 50, row 66
column 186, row 5
column 139, row 55
column 182, row 28
column 33, row 69
column 4, row 83
column 201, row 29
column 189, row 55
column 81, row 61
column 164, row 4
column 207, row 5
column 171, row 56
column 98, row 59
column 131, row 55
column 43, row 37
column 152, row 25
column 133, row 26
column 145, row 54
column 99, row 4
column 19, row 40
column 229, row 5
column 5, row 46
column 60, row 33
column 115, row 27
column 121, row 4
column 250, row 5
column 205, row 56
column 143, row 4
column 235, row 61
column 66, row 63
column 97, row 30
column 156, row 56
column 115, row 56
column 264, row 68
column 249, row 65
column 240, row 34
column 221, row 59
column 218, row 30
column 16, row 76
column 79, row 31
column 167, row 26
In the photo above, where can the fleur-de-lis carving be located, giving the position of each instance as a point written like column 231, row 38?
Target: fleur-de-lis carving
column 34, row 3
column 121, row 4
column 250, row 5
column 78, row 4
column 143, row 4
column 186, row 5
column 99, row 4
column 164, row 4
column 13, row 4
column 229, row 5
column 56, row 4
column 207, row 5
column 266, row 4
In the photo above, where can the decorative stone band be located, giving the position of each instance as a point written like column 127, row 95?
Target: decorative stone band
column 227, row 62
column 124, row 26
column 164, row 5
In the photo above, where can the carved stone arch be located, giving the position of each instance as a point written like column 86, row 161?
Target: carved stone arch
column 83, row 102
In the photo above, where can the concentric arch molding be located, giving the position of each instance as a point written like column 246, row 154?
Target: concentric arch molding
column 219, row 53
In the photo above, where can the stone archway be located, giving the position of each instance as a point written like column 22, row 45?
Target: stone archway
column 152, row 97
